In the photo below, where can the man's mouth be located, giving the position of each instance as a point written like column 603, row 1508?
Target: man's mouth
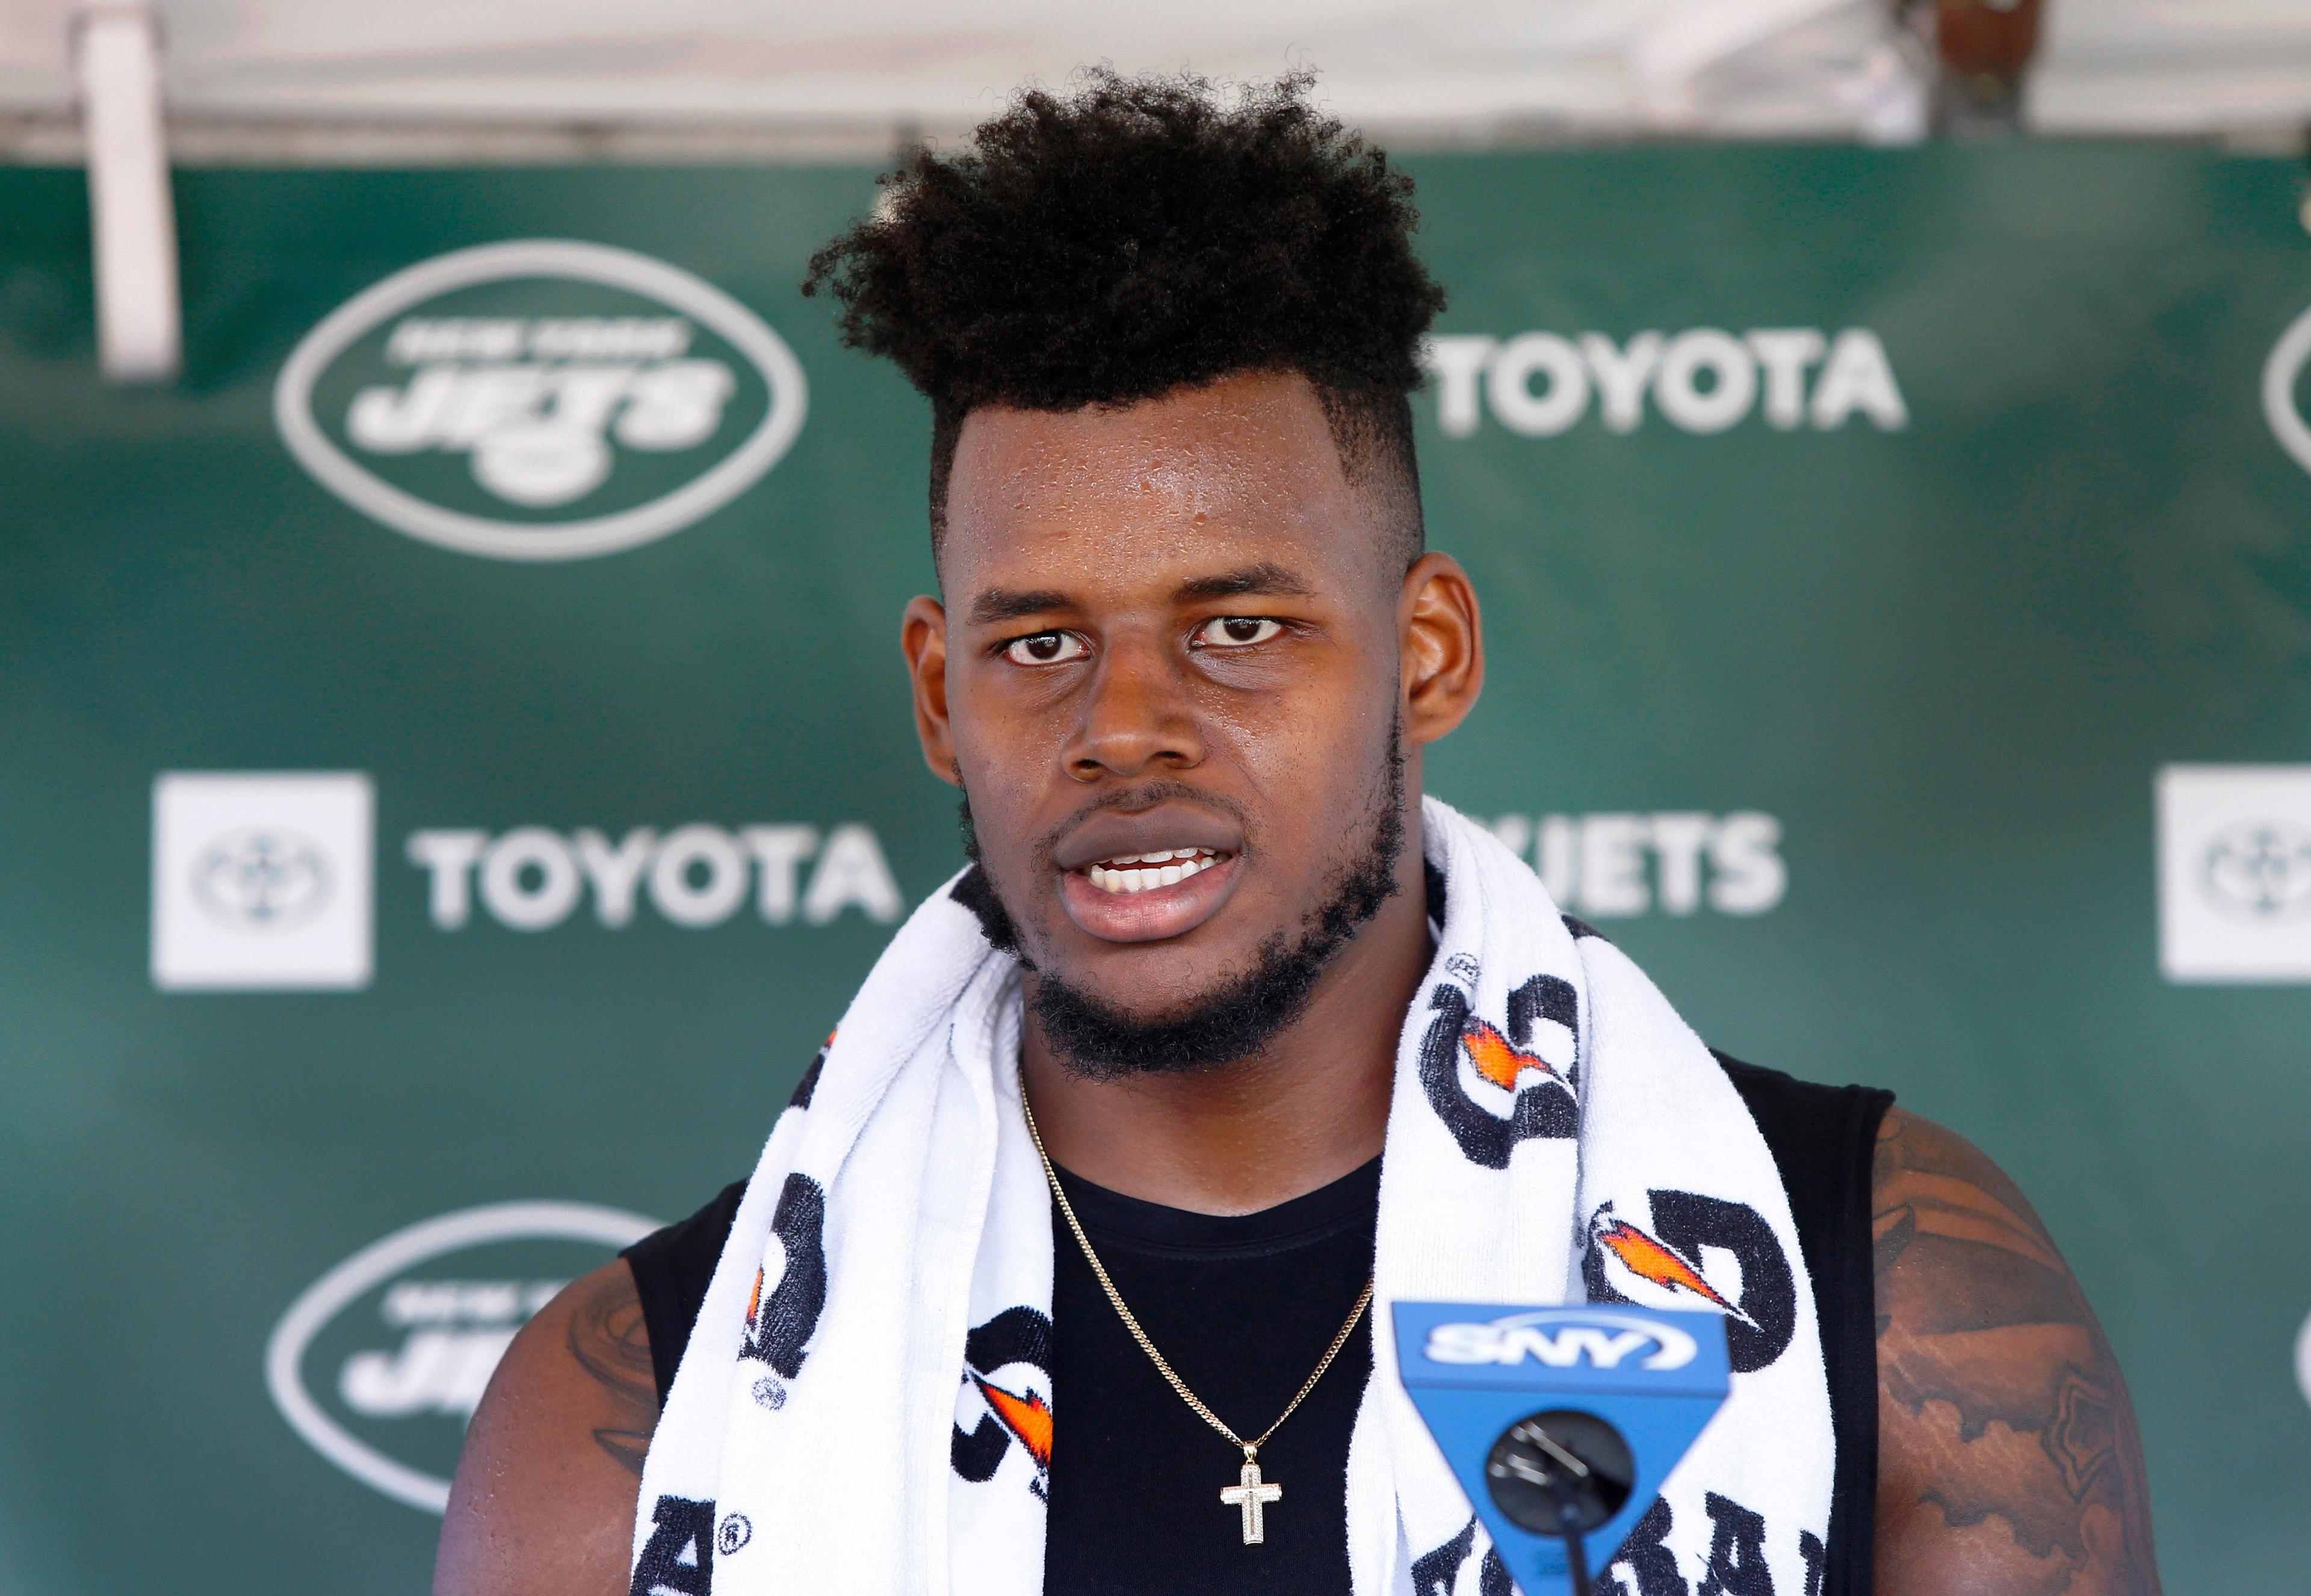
column 1150, row 895
column 1147, row 875
column 1146, row 872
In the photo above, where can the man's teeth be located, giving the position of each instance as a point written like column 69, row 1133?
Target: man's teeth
column 1138, row 872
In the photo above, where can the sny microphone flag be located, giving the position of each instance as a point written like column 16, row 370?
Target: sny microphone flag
column 1560, row 1423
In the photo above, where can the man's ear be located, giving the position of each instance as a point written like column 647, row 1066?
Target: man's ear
column 922, row 638
column 1442, row 643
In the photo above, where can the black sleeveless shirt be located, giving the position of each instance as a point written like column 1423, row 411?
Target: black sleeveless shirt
column 1245, row 1305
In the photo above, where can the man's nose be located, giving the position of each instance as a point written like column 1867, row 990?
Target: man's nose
column 1136, row 716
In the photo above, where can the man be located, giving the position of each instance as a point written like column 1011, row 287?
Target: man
column 1056, row 1273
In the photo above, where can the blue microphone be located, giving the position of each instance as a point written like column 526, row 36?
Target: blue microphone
column 1560, row 1423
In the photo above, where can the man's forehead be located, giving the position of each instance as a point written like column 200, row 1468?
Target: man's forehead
column 1238, row 473
column 1249, row 422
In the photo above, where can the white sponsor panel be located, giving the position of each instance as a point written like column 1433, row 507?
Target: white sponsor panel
column 557, row 413
column 533, row 878
column 446, row 1332
column 2234, row 872
column 1614, row 865
column 261, row 881
column 1702, row 380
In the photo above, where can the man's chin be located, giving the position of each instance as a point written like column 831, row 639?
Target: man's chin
column 1126, row 1007
column 1100, row 1039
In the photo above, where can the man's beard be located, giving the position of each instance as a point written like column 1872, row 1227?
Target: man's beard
column 1096, row 1041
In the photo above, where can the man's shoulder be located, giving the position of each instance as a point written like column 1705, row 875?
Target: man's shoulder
column 543, row 1500
column 2008, row 1456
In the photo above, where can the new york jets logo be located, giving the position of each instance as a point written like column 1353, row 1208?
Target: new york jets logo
column 540, row 399
column 379, row 1363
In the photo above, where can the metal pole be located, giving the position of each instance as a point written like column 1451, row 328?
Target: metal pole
column 132, row 213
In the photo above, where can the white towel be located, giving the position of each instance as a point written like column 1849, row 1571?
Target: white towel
column 865, row 1404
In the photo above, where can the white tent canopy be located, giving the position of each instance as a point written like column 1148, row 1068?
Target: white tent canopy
column 133, row 86
column 1484, row 70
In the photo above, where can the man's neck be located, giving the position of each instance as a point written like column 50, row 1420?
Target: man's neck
column 1308, row 1108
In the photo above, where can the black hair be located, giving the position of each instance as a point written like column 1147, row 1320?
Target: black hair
column 1142, row 235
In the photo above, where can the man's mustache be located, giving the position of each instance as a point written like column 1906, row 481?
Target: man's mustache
column 1144, row 795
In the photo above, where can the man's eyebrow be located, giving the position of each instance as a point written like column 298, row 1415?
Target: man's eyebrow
column 997, row 605
column 1266, row 579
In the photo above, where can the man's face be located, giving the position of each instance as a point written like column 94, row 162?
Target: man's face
column 1172, row 630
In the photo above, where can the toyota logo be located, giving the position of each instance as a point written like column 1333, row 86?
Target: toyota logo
column 261, row 879
column 2259, row 870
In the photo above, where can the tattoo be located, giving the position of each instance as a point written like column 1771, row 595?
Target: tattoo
column 2009, row 1460
column 610, row 1342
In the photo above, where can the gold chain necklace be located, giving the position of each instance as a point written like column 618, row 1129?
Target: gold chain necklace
column 1249, row 1494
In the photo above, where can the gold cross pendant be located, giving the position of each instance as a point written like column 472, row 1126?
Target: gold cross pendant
column 1251, row 1496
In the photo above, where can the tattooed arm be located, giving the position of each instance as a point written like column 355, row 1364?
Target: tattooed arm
column 544, row 1501
column 2008, row 1458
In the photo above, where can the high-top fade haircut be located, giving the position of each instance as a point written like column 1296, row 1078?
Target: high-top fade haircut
column 1142, row 235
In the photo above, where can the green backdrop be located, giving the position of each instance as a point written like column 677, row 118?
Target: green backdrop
column 1841, row 705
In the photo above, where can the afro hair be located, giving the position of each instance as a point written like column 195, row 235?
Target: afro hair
column 1142, row 235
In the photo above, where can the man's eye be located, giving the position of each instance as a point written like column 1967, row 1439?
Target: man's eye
column 1235, row 632
column 1044, row 648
